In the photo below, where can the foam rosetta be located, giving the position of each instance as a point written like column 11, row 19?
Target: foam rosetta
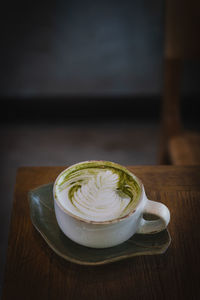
column 97, row 194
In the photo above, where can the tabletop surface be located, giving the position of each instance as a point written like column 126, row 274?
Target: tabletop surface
column 34, row 271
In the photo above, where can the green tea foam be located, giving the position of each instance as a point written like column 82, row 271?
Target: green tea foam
column 97, row 193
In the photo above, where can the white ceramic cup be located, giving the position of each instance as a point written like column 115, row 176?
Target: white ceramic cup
column 103, row 234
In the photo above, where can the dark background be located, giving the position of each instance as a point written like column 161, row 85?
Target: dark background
column 79, row 54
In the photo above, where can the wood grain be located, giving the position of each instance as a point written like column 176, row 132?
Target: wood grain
column 34, row 271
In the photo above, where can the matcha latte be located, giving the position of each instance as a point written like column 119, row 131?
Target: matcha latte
column 97, row 191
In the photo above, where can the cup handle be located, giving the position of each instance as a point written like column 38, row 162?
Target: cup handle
column 158, row 209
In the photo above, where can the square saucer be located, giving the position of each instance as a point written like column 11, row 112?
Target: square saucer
column 44, row 220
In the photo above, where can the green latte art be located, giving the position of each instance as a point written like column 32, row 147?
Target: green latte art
column 97, row 192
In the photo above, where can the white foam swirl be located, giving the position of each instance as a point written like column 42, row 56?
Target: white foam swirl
column 96, row 196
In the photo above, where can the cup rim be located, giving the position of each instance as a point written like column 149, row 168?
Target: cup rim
column 112, row 221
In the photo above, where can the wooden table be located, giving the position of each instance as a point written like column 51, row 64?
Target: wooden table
column 34, row 271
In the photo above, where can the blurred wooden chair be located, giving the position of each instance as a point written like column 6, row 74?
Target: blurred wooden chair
column 182, row 42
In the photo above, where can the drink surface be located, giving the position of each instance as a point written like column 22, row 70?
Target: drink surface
column 97, row 192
